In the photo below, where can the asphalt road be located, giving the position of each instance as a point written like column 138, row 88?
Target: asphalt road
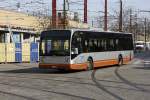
column 27, row 82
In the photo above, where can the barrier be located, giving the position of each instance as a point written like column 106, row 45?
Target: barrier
column 26, row 52
column 18, row 52
column 10, row 52
column 2, row 52
column 34, row 50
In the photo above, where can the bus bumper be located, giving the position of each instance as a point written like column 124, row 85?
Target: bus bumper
column 63, row 66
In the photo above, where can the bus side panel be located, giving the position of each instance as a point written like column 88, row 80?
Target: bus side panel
column 128, row 56
column 101, row 59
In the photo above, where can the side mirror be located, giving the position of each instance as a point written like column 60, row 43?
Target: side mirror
column 75, row 51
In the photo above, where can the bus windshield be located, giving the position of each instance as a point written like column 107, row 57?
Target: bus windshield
column 55, row 43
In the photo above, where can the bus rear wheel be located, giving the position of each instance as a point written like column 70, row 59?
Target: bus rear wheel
column 90, row 64
column 120, row 61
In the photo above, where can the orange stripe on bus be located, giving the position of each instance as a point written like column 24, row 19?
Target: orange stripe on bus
column 78, row 66
column 126, row 60
column 102, row 63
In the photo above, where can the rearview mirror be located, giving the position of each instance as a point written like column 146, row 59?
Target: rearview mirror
column 74, row 51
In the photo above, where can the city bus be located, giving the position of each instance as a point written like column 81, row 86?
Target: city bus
column 84, row 49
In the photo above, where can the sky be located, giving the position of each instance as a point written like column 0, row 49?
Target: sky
column 141, row 4
column 114, row 4
column 93, row 6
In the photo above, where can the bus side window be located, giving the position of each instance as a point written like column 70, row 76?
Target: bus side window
column 108, row 45
column 115, row 44
column 122, row 44
column 77, row 42
column 118, row 45
column 85, row 47
column 100, row 45
column 104, row 45
column 111, row 45
column 93, row 46
column 90, row 46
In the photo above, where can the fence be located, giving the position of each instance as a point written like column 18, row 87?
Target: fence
column 19, row 52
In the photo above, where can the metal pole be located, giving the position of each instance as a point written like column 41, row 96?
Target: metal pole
column 145, row 23
column 148, row 35
column 64, row 10
column 54, row 13
column 92, row 23
column 105, row 16
column 85, row 11
column 120, row 17
column 136, row 29
column 5, row 37
column 130, row 28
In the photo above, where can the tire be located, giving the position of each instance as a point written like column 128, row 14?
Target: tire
column 90, row 64
column 120, row 61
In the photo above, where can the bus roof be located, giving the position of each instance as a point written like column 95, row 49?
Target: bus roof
column 90, row 30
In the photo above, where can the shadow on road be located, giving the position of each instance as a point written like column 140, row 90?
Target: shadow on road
column 100, row 86
column 41, row 89
column 144, row 68
column 35, row 70
column 16, row 95
column 70, row 79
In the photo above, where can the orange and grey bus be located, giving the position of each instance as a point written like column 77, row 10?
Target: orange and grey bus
column 84, row 49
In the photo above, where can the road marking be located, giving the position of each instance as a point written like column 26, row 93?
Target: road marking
column 146, row 62
column 137, row 62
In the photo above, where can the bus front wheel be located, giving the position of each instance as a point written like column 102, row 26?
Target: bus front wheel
column 90, row 64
